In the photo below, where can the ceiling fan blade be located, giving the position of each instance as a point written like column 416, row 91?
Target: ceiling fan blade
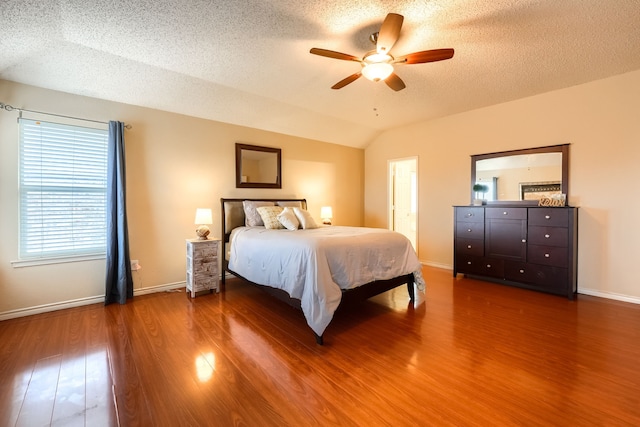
column 334, row 54
column 389, row 32
column 395, row 82
column 426, row 56
column 342, row 83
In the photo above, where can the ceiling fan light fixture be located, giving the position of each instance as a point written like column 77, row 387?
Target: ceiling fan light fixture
column 377, row 71
column 377, row 66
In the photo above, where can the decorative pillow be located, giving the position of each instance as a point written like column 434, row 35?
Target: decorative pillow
column 251, row 216
column 305, row 218
column 269, row 215
column 288, row 218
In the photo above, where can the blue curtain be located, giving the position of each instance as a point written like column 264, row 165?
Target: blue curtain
column 119, row 282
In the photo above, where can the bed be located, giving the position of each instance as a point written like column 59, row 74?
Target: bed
column 315, row 269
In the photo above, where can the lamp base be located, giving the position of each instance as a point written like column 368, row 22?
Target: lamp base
column 202, row 232
column 326, row 221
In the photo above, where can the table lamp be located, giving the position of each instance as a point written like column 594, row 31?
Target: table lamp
column 326, row 214
column 203, row 218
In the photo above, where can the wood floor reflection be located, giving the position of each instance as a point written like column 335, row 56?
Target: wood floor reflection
column 467, row 353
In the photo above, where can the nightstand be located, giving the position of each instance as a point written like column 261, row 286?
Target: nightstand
column 202, row 266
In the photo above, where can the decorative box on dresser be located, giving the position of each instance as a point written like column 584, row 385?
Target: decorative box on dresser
column 526, row 246
column 202, row 266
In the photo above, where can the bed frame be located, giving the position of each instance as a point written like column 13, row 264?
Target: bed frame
column 233, row 216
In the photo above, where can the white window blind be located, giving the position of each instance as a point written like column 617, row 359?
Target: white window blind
column 63, row 179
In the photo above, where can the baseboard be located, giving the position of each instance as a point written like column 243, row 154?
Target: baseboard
column 437, row 265
column 160, row 288
column 609, row 295
column 45, row 308
column 591, row 292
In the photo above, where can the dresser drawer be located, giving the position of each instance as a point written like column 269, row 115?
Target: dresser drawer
column 469, row 214
column 546, row 277
column 480, row 266
column 548, row 255
column 473, row 247
column 507, row 213
column 548, row 236
column 551, row 217
column 470, row 230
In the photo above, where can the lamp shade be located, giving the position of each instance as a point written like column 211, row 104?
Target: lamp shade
column 203, row 216
column 326, row 212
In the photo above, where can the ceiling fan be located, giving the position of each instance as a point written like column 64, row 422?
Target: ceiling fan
column 378, row 64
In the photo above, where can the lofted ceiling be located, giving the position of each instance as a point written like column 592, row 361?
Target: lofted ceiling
column 248, row 62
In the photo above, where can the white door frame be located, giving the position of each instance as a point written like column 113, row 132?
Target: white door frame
column 391, row 209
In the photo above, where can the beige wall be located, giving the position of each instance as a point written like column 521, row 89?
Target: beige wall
column 601, row 121
column 175, row 164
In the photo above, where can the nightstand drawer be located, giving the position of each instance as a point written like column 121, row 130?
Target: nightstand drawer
column 203, row 250
column 206, row 252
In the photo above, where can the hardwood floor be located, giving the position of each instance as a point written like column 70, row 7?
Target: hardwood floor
column 468, row 353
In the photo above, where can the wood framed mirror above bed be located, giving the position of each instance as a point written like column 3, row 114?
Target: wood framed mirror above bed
column 317, row 290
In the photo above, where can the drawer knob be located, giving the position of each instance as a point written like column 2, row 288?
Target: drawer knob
column 468, row 246
column 546, row 236
column 469, row 214
column 547, row 255
column 505, row 213
column 469, row 230
column 488, row 265
column 524, row 240
column 468, row 262
column 522, row 271
column 547, row 217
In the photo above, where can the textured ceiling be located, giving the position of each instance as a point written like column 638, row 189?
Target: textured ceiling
column 248, row 63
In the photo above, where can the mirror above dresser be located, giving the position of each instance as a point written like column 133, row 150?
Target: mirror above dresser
column 521, row 177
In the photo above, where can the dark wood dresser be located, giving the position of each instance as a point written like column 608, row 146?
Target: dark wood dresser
column 529, row 247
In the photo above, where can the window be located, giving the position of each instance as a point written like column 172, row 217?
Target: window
column 63, row 180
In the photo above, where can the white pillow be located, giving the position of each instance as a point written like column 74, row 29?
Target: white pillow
column 305, row 218
column 251, row 216
column 269, row 215
column 288, row 218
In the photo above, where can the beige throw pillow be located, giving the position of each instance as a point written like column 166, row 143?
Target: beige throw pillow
column 305, row 218
column 269, row 215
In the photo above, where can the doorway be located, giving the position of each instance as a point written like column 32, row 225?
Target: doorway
column 403, row 198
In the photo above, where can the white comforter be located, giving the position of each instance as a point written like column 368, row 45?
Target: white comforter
column 314, row 265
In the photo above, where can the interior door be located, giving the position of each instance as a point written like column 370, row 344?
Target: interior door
column 403, row 212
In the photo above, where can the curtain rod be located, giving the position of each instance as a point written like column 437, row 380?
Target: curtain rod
column 8, row 107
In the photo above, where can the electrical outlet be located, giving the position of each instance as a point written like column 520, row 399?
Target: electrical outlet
column 134, row 265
